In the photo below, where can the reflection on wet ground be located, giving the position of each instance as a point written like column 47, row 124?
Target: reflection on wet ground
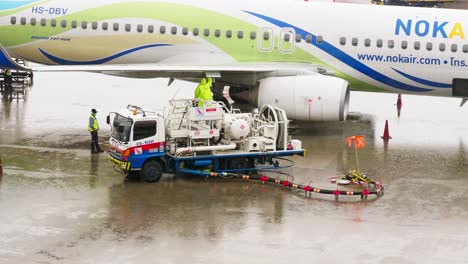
column 60, row 204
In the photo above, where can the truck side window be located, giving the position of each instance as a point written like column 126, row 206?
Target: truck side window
column 144, row 129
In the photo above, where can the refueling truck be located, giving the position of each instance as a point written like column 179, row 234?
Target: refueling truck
column 206, row 141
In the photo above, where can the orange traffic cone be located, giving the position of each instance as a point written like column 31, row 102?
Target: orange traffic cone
column 386, row 134
column 399, row 104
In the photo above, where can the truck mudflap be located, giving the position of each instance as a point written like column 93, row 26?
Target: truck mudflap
column 121, row 165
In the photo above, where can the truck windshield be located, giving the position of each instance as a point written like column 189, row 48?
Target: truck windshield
column 122, row 135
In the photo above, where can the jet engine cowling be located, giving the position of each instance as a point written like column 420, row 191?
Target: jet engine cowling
column 305, row 97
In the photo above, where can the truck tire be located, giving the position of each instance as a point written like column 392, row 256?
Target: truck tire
column 152, row 171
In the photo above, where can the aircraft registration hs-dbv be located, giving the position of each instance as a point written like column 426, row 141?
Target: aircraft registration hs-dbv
column 302, row 56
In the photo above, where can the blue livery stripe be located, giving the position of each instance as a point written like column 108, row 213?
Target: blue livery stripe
column 344, row 57
column 423, row 81
column 7, row 62
column 100, row 61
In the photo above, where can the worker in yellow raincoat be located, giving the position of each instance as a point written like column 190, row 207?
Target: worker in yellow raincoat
column 203, row 91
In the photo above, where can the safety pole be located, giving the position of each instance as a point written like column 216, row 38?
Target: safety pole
column 357, row 159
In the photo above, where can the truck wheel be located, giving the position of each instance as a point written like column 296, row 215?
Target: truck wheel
column 152, row 171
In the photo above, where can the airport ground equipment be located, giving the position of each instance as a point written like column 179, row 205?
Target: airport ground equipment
column 372, row 188
column 206, row 141
column 354, row 176
column 282, row 179
column 21, row 79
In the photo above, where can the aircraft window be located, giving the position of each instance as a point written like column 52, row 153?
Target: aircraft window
column 309, row 38
column 240, row 34
column 442, row 46
column 64, row 23
column 354, row 41
column 140, row 28
column 150, row 29
column 217, row 33
column 367, row 42
column 343, row 41
column 185, row 31
column 116, row 26
column 33, row 21
column 53, row 22
column 84, row 25
column 162, row 29
column 298, row 38
column 454, row 47
column 417, row 45
column 94, row 25
column 266, row 35
column 74, row 24
column 253, row 35
column 23, row 21
column 319, row 39
column 128, row 27
column 13, row 20
column 287, row 37
column 404, row 44
column 379, row 43
column 44, row 22
column 105, row 25
column 465, row 48
column 206, row 32
column 429, row 46
column 228, row 33
column 196, row 32
column 174, row 30
column 391, row 44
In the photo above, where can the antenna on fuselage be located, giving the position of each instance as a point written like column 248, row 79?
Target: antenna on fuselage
column 463, row 101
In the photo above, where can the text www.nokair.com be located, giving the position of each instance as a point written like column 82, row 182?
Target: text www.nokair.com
column 452, row 61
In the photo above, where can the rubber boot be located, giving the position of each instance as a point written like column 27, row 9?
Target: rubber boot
column 93, row 150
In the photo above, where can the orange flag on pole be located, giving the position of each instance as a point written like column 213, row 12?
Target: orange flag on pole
column 358, row 142
column 350, row 141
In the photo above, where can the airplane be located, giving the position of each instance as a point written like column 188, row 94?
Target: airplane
column 301, row 56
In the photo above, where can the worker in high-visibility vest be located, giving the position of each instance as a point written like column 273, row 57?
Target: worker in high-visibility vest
column 203, row 91
column 93, row 128
column 8, row 80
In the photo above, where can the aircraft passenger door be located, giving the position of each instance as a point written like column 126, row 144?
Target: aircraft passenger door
column 265, row 39
column 286, row 40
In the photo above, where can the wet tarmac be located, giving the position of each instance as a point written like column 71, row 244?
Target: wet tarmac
column 60, row 204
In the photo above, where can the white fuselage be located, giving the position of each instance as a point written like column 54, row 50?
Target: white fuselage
column 375, row 48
